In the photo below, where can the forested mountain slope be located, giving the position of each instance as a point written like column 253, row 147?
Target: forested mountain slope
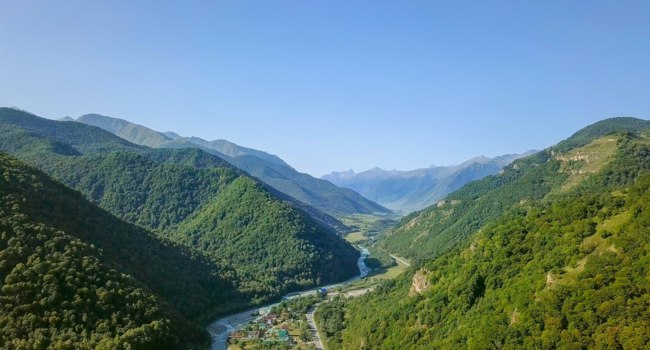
column 73, row 276
column 425, row 234
column 190, row 196
column 269, row 168
column 562, row 263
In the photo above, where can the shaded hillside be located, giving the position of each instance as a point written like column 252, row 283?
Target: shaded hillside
column 269, row 168
column 564, row 268
column 406, row 191
column 178, row 193
column 68, row 267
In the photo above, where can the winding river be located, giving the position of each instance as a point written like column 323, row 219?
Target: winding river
column 221, row 328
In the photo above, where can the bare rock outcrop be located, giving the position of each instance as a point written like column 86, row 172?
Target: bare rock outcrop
column 420, row 282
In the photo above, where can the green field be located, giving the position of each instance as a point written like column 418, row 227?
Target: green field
column 389, row 273
column 367, row 227
column 355, row 237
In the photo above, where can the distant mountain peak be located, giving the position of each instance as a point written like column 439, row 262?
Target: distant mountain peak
column 415, row 189
column 475, row 160
column 21, row 110
column 172, row 135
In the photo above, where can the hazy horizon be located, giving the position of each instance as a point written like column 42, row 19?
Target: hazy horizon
column 315, row 175
column 335, row 86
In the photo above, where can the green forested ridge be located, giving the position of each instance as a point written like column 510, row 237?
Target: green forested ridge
column 75, row 136
column 73, row 276
column 231, row 217
column 284, row 248
column 425, row 234
column 570, row 270
column 155, row 190
column 272, row 170
column 602, row 128
column 191, row 197
column 36, row 139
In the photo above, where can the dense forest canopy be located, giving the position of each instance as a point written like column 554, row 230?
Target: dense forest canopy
column 75, row 277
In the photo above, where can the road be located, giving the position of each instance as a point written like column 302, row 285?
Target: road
column 312, row 326
column 310, row 314
column 400, row 260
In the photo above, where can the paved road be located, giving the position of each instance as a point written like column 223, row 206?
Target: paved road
column 400, row 260
column 310, row 314
column 312, row 326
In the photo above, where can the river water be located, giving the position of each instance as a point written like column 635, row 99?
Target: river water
column 221, row 328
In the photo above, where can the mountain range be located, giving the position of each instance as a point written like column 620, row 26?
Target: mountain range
column 108, row 244
column 269, row 168
column 407, row 191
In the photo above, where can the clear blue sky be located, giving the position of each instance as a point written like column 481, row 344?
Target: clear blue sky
column 333, row 85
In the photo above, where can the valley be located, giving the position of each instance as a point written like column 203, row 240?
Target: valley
column 324, row 175
column 181, row 238
column 369, row 229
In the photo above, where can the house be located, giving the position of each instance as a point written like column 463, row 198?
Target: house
column 283, row 335
column 278, row 335
column 237, row 335
column 253, row 334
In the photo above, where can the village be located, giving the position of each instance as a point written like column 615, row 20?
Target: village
column 283, row 327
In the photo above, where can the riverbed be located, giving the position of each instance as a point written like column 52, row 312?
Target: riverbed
column 221, row 328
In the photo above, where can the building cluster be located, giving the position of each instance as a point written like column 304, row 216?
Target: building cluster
column 270, row 328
